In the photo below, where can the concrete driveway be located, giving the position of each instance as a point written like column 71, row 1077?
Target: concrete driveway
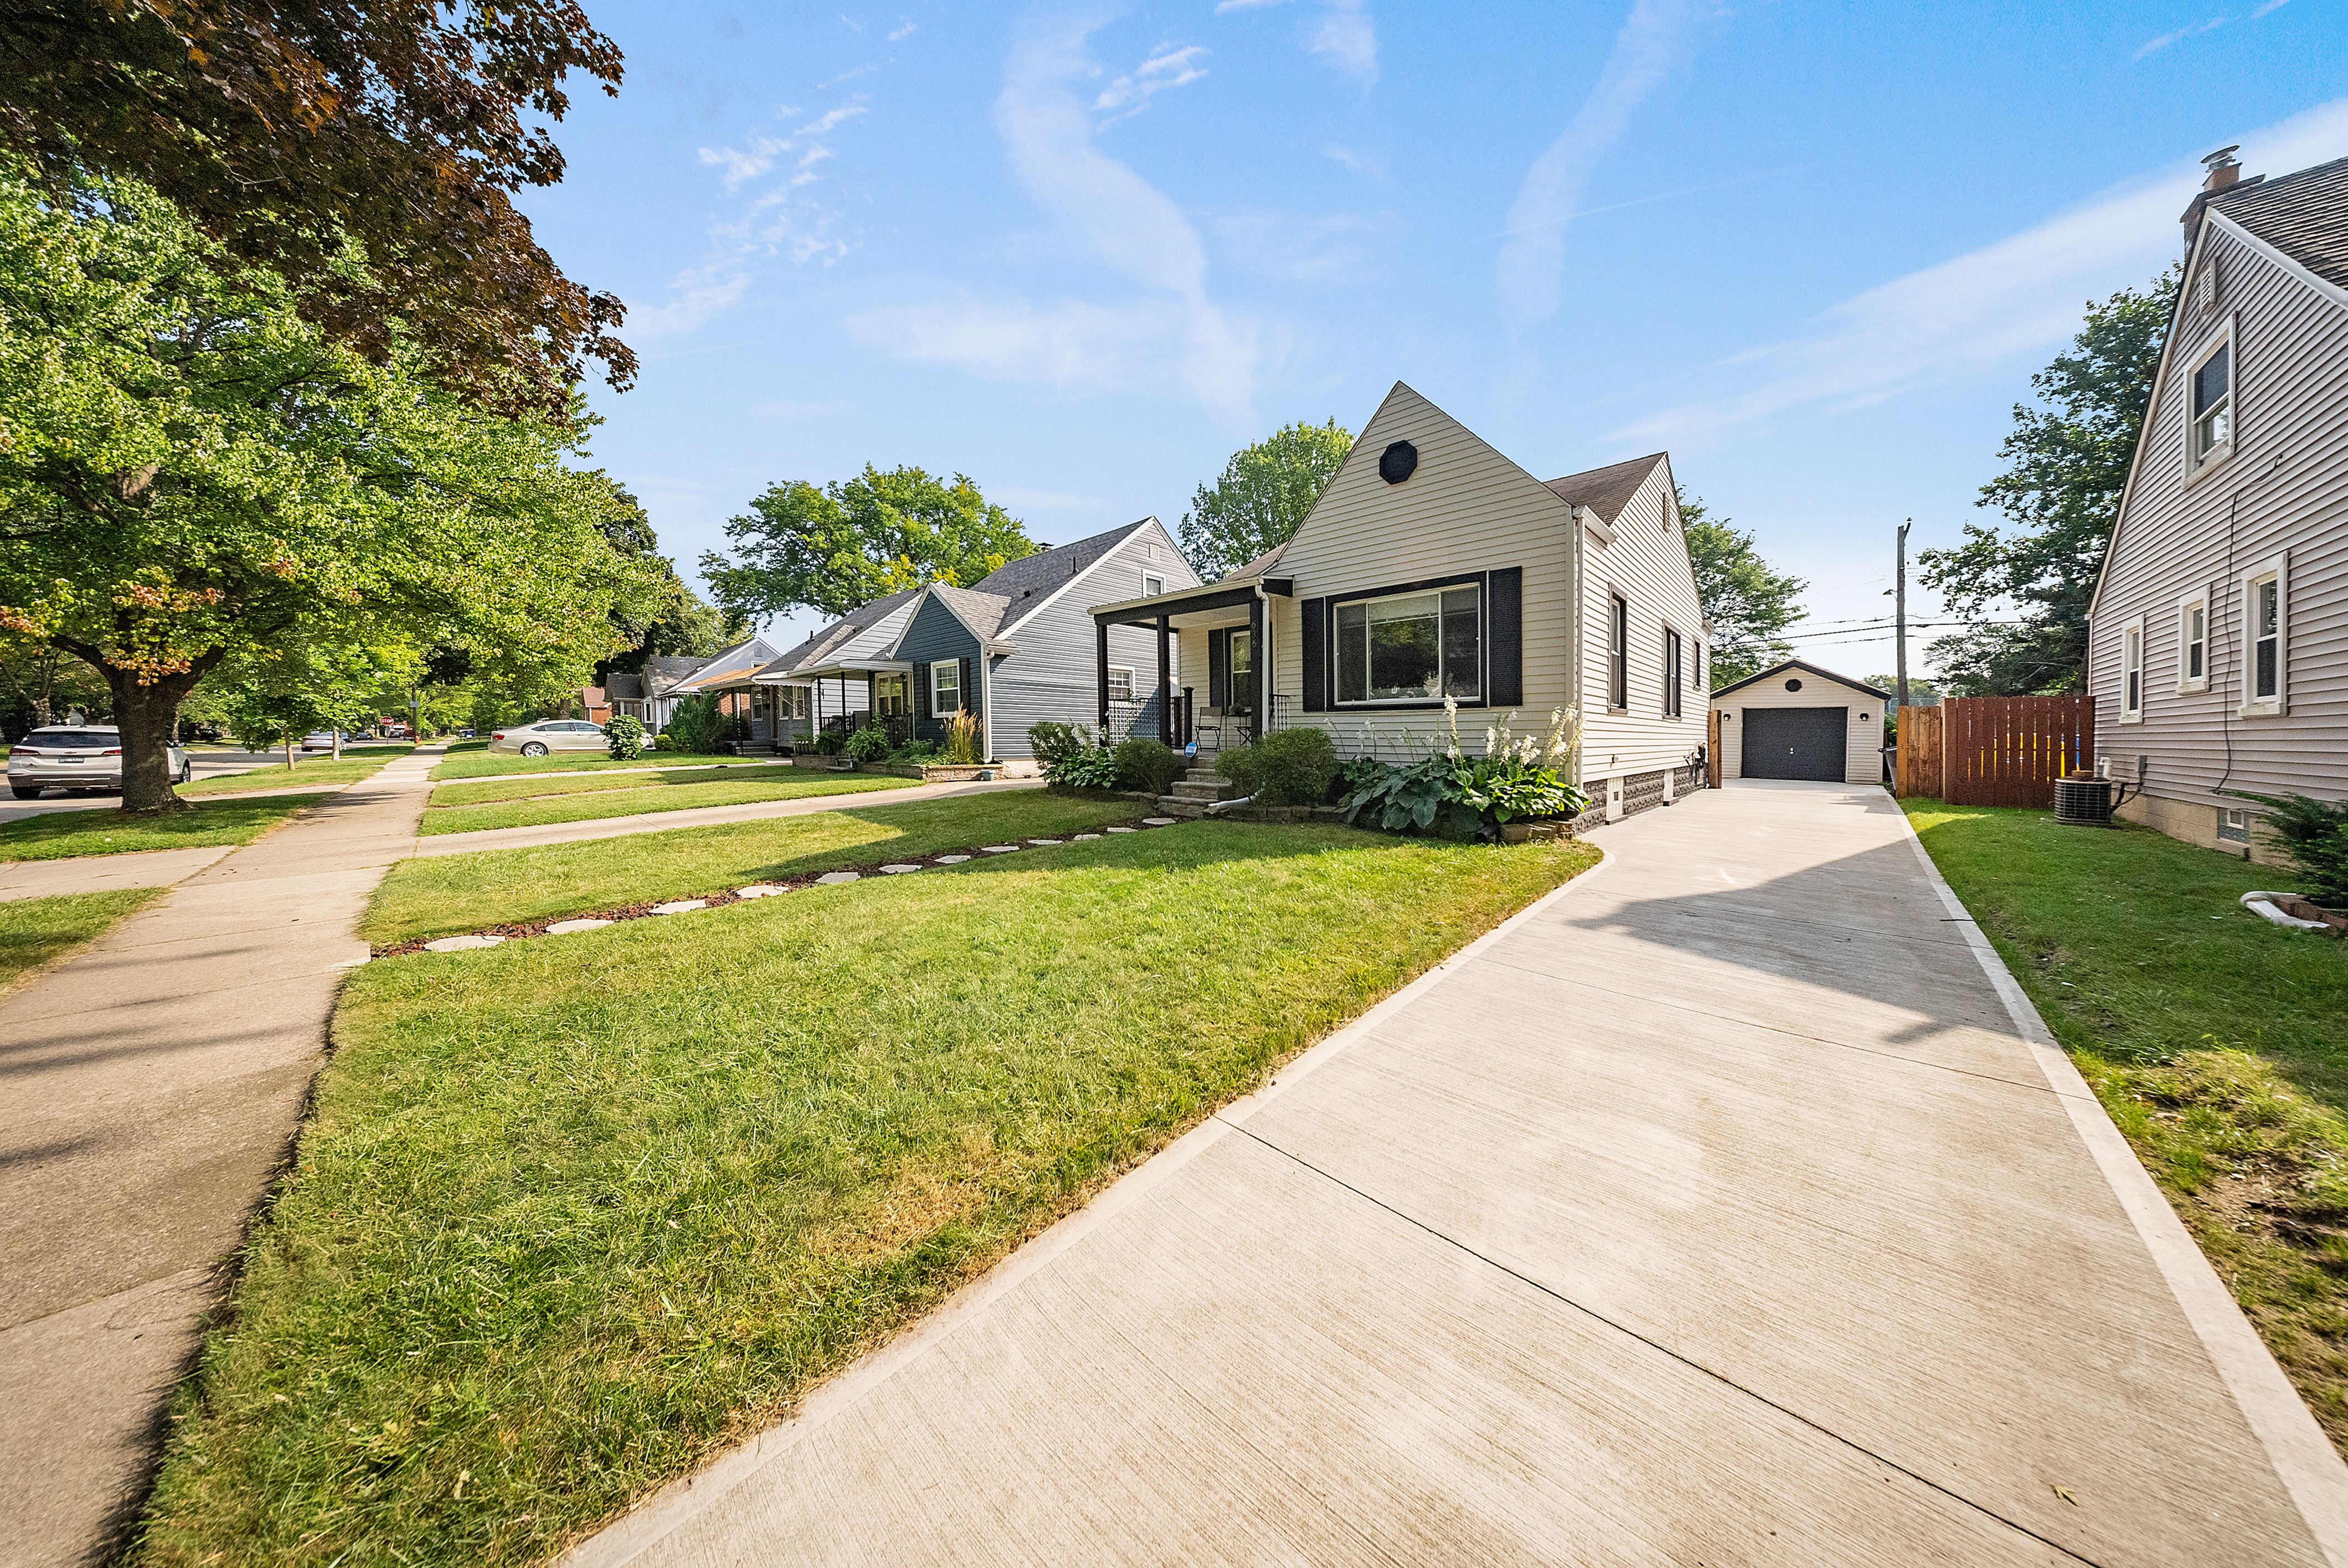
column 1726, row 1206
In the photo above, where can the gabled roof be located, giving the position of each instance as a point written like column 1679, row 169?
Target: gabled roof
column 983, row 613
column 732, row 668
column 1261, row 565
column 835, row 638
column 1606, row 491
column 1808, row 668
column 2304, row 215
column 663, row 671
column 623, row 686
column 1024, row 583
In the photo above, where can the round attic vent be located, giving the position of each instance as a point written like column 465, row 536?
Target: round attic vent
column 1398, row 462
column 1794, row 685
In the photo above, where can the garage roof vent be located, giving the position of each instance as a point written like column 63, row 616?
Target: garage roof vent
column 1795, row 684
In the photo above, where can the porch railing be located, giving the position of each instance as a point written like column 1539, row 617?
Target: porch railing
column 898, row 727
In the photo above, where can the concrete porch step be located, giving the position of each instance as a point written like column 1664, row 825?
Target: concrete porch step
column 1181, row 805
column 1199, row 789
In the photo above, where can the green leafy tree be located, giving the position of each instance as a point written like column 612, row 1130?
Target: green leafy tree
column 2066, row 466
column 1265, row 493
column 1747, row 604
column 853, row 541
column 280, row 129
column 193, row 475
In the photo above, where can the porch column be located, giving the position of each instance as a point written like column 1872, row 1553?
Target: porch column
column 1261, row 657
column 1165, row 681
column 1100, row 674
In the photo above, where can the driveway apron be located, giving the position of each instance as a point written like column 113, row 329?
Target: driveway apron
column 153, row 1085
column 1723, row 1207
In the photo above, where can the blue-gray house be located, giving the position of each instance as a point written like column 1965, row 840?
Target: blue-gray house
column 1015, row 648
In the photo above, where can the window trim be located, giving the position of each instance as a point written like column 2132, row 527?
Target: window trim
column 2132, row 666
column 1150, row 577
column 2187, row 681
column 2277, row 570
column 1675, row 703
column 1618, row 652
column 1479, row 582
column 1132, row 683
column 2221, row 336
column 938, row 709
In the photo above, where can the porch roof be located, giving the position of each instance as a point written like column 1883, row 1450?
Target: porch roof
column 831, row 669
column 1185, row 601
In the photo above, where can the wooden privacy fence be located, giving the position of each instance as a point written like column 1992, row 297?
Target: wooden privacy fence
column 1995, row 750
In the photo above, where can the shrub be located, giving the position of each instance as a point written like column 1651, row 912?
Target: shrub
column 624, row 738
column 868, row 743
column 2314, row 833
column 915, row 753
column 1241, row 765
column 1052, row 742
column 698, row 726
column 1295, row 767
column 1146, row 764
column 1422, row 797
column 1094, row 767
column 962, row 739
column 828, row 744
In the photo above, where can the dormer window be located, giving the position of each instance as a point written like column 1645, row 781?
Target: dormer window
column 2209, row 403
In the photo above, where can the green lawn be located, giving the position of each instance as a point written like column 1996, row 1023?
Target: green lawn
column 318, row 768
column 54, row 836
column 2218, row 1043
column 477, row 763
column 442, row 894
column 527, row 787
column 574, row 1214
column 38, row 931
column 652, row 794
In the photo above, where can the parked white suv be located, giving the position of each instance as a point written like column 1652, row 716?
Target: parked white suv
column 550, row 736
column 77, row 757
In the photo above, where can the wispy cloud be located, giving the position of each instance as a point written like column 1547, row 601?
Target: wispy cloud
column 694, row 295
column 2154, row 46
column 1360, row 162
column 1983, row 311
column 1166, row 68
column 1301, row 250
column 1341, row 35
column 1072, row 346
column 745, row 163
column 906, row 27
column 1657, row 37
column 2267, row 5
column 831, row 119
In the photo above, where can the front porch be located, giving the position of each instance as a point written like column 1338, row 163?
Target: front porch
column 1238, row 704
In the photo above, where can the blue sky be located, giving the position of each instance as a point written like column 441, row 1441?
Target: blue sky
column 1082, row 254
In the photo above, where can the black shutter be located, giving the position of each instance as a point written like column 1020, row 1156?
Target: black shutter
column 921, row 693
column 1504, row 637
column 1219, row 667
column 968, row 695
column 1316, row 665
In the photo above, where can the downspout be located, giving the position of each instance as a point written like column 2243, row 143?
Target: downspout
column 1575, row 544
column 984, row 664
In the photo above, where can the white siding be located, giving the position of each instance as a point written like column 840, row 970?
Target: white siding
column 1863, row 759
column 1647, row 563
column 2283, row 492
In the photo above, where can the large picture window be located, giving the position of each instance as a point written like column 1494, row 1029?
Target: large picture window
column 945, row 687
column 1412, row 647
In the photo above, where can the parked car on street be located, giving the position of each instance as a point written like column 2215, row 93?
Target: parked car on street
column 82, row 757
column 323, row 741
column 550, row 736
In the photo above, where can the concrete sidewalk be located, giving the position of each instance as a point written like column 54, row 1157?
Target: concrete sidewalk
column 702, row 816
column 105, row 873
column 1728, row 1207
column 154, row 1083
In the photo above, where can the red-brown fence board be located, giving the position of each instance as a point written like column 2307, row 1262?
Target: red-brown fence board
column 2009, row 751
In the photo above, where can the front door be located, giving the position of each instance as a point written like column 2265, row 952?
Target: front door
column 1797, row 743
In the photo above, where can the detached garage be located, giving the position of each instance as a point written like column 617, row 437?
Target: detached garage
column 1799, row 721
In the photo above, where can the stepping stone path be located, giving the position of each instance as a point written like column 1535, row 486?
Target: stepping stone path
column 1000, row 849
column 833, row 878
column 1048, row 843
column 461, row 944
column 682, row 907
column 564, row 927
column 899, row 870
column 1120, row 830
column 759, row 890
column 1086, row 837
column 1158, row 822
column 951, row 859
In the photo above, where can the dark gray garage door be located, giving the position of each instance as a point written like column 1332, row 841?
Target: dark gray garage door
column 1796, row 742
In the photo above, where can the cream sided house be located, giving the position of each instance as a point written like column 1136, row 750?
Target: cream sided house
column 2218, row 652
column 1435, row 566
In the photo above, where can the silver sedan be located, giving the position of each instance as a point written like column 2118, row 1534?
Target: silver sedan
column 83, row 756
column 550, row 736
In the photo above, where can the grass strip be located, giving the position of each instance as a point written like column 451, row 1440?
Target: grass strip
column 647, row 798
column 2218, row 1043
column 59, row 835
column 441, row 896
column 474, row 762
column 482, row 790
column 523, row 1274
column 38, row 932
column 356, row 763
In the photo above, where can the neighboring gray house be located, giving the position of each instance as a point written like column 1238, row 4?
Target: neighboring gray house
column 2218, row 649
column 1014, row 648
column 650, row 694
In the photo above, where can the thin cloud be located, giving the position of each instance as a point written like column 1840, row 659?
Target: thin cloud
column 741, row 164
column 1341, row 35
column 1978, row 312
column 1073, row 346
column 1360, row 162
column 694, row 296
column 831, row 119
column 2268, row 6
column 1656, row 40
column 1166, row 68
column 906, row 27
column 2154, row 46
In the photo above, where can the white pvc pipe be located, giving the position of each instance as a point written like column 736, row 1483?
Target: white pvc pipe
column 2263, row 904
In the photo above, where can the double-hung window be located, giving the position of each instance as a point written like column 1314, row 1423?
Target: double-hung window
column 1120, row 683
column 1153, row 585
column 1618, row 651
column 945, row 687
column 1671, row 673
column 1412, row 647
column 2193, row 643
column 2209, row 403
column 2266, row 616
column 2132, row 670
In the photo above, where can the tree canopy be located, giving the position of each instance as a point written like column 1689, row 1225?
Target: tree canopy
column 194, row 477
column 855, row 540
column 2066, row 466
column 1747, row 604
column 285, row 129
column 1264, row 495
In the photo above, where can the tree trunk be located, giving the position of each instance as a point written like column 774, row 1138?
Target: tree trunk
column 144, row 714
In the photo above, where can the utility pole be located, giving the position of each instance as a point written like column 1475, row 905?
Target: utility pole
column 1899, row 607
